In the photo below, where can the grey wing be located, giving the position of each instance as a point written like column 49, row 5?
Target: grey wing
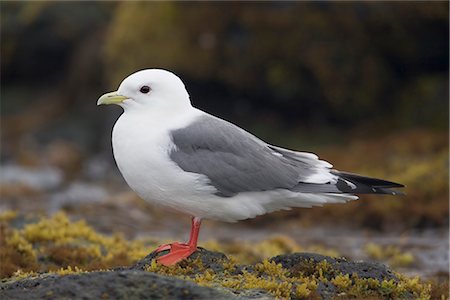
column 236, row 161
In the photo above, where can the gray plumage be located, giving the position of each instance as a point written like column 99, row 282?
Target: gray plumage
column 235, row 161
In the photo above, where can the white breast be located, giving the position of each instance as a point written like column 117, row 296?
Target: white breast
column 141, row 148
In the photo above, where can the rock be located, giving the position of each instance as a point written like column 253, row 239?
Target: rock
column 47, row 178
column 76, row 193
column 225, row 280
column 126, row 284
column 302, row 262
column 326, row 290
column 210, row 260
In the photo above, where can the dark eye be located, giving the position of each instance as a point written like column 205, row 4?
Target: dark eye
column 145, row 89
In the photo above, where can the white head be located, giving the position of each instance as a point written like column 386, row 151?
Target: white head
column 154, row 89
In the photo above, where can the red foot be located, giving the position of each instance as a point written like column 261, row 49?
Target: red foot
column 162, row 248
column 178, row 252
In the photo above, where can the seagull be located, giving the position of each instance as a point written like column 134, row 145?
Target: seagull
column 177, row 156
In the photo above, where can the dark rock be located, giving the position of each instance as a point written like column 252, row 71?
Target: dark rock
column 259, row 294
column 210, row 259
column 128, row 284
column 326, row 290
column 305, row 263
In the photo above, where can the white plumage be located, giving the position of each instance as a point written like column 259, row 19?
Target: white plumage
column 142, row 144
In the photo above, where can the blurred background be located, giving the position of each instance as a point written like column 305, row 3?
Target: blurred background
column 363, row 85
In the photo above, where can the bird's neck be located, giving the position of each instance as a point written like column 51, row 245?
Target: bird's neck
column 159, row 120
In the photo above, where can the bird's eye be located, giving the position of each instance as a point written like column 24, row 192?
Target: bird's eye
column 145, row 89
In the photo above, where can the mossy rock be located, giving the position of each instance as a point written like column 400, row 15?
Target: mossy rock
column 209, row 260
column 212, row 275
column 305, row 263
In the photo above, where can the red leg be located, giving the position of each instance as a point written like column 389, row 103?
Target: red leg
column 195, row 230
column 180, row 251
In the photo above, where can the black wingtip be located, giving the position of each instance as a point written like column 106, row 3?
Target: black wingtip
column 368, row 180
column 368, row 185
column 388, row 191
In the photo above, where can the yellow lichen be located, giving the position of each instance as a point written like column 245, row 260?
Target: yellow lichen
column 59, row 243
column 21, row 244
column 302, row 291
column 375, row 251
column 402, row 260
column 342, row 282
column 63, row 247
column 19, row 274
column 273, row 285
column 323, row 268
column 391, row 254
column 270, row 268
column 387, row 287
column 8, row 215
column 179, row 270
column 205, row 278
column 69, row 270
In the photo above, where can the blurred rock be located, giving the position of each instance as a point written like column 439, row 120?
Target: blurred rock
column 97, row 168
column 76, row 193
column 44, row 178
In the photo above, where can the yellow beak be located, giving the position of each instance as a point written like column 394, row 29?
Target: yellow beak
column 111, row 98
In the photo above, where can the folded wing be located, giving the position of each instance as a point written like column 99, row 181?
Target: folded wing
column 235, row 161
